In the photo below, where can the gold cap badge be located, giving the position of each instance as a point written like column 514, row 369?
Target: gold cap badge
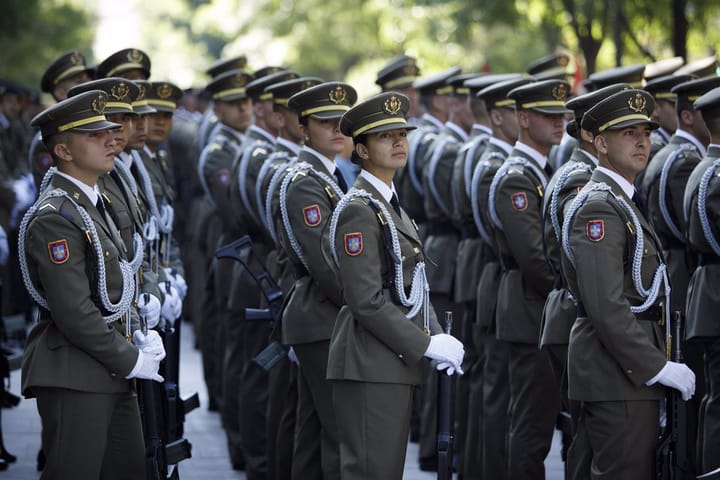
column 338, row 95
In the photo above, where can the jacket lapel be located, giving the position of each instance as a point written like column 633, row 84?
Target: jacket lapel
column 404, row 225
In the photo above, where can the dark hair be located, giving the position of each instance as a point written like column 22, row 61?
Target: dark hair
column 359, row 140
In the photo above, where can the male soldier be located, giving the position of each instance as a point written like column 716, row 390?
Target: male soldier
column 308, row 196
column 559, row 312
column 435, row 101
column 282, row 404
column 130, row 63
column 701, row 206
column 617, row 357
column 489, row 384
column 68, row 70
column 441, row 244
column 220, row 330
column 663, row 184
column 252, row 336
column 515, row 200
column 78, row 358
column 664, row 114
column 398, row 75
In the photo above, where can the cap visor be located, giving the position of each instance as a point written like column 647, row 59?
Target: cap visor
column 552, row 110
column 232, row 97
column 328, row 115
column 630, row 123
column 391, row 126
column 97, row 126
column 144, row 110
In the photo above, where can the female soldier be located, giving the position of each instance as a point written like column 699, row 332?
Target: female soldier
column 382, row 332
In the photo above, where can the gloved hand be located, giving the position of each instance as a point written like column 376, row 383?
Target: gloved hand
column 446, row 348
column 147, row 367
column 4, row 246
column 292, row 356
column 177, row 281
column 172, row 306
column 449, row 368
column 149, row 309
column 151, row 343
column 678, row 376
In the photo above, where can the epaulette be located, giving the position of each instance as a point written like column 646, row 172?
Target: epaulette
column 260, row 150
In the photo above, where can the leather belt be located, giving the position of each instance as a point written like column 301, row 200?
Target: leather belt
column 652, row 314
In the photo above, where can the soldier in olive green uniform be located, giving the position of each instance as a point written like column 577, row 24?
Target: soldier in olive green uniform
column 617, row 359
column 665, row 114
column 68, row 70
column 701, row 212
column 78, row 358
column 515, row 199
column 489, row 380
column 559, row 312
column 398, row 75
column 308, row 196
column 381, row 334
column 435, row 99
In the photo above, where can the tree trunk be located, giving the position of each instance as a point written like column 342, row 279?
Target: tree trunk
column 680, row 28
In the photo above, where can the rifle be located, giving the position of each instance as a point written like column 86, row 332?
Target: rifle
column 155, row 458
column 445, row 418
column 272, row 293
column 672, row 454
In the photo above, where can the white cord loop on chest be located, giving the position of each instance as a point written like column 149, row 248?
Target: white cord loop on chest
column 306, row 168
column 555, row 195
column 702, row 207
column 127, row 269
column 477, row 177
column 164, row 214
column 502, row 171
column 419, row 288
column 660, row 277
column 663, row 187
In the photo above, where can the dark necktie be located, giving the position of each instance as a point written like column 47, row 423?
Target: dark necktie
column 548, row 169
column 395, row 204
column 100, row 205
column 340, row 180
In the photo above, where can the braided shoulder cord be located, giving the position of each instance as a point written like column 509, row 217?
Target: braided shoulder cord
column 412, row 161
column 469, row 155
column 555, row 195
column 432, row 168
column 47, row 178
column 275, row 182
column 702, row 206
column 201, row 175
column 510, row 162
column 267, row 165
column 242, row 175
column 662, row 189
column 302, row 167
column 477, row 176
column 659, row 277
column 419, row 289
column 124, row 172
column 128, row 269
column 165, row 214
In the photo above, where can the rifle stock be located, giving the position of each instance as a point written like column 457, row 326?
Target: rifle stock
column 444, row 418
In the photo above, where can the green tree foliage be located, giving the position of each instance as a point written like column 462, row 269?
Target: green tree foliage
column 35, row 32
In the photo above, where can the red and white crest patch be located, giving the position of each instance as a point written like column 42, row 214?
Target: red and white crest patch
column 595, row 230
column 59, row 251
column 519, row 201
column 353, row 244
column 312, row 215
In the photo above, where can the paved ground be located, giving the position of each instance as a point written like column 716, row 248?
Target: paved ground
column 21, row 428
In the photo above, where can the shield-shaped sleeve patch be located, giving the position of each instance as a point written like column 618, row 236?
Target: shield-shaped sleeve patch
column 595, row 230
column 59, row 251
column 353, row 244
column 312, row 215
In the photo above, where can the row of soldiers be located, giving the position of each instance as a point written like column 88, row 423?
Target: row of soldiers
column 491, row 199
column 125, row 213
column 491, row 227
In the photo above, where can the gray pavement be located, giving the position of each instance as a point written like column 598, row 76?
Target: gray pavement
column 21, row 428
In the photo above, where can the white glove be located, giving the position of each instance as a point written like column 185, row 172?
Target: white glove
column 149, row 309
column 151, row 343
column 678, row 376
column 172, row 306
column 177, row 281
column 4, row 246
column 147, row 367
column 446, row 348
column 449, row 368
column 292, row 356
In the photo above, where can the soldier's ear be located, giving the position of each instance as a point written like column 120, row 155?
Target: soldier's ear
column 62, row 151
column 362, row 151
column 600, row 143
column 523, row 119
